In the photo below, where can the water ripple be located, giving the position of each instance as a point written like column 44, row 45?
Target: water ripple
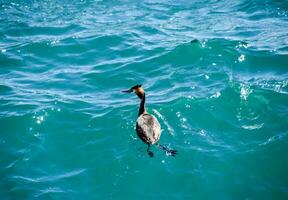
column 215, row 75
column 50, row 178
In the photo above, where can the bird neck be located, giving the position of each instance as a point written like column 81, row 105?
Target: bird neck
column 142, row 108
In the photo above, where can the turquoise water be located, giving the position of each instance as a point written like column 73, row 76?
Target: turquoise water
column 215, row 75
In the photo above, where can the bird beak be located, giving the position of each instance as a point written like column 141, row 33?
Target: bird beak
column 127, row 91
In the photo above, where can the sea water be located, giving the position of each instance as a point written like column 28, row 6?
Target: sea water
column 215, row 75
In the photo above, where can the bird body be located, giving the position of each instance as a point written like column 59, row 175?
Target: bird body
column 147, row 126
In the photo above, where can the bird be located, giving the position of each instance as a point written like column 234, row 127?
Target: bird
column 147, row 126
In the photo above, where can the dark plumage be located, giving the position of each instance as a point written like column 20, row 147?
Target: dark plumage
column 147, row 127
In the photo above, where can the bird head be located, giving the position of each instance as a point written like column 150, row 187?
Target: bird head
column 137, row 89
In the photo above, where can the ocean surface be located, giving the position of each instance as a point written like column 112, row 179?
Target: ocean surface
column 215, row 75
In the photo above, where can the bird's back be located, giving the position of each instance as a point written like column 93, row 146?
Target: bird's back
column 148, row 128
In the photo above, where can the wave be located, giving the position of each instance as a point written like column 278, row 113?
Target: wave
column 50, row 177
column 215, row 76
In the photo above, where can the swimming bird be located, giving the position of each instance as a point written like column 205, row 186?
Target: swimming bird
column 147, row 126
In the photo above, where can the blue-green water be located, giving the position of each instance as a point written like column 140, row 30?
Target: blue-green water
column 215, row 74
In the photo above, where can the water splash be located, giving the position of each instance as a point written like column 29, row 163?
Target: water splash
column 216, row 95
column 169, row 128
column 245, row 91
column 241, row 58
